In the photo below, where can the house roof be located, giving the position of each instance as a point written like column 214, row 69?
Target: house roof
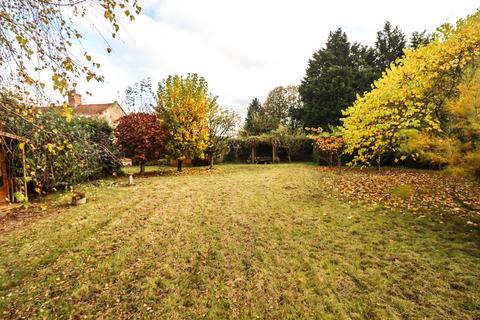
column 94, row 109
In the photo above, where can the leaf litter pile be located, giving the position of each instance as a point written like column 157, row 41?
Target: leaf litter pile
column 415, row 190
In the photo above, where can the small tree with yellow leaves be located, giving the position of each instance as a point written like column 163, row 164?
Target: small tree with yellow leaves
column 183, row 105
column 413, row 94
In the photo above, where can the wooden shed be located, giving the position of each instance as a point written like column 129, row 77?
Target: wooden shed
column 10, row 155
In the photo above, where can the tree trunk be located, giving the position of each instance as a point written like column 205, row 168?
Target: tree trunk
column 273, row 153
column 289, row 156
column 315, row 156
column 253, row 154
column 210, row 158
column 330, row 159
column 142, row 168
column 236, row 154
column 179, row 165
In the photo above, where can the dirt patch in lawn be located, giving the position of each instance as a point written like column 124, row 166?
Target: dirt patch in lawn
column 21, row 216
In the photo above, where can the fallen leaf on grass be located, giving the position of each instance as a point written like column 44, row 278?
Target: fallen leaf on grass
column 414, row 190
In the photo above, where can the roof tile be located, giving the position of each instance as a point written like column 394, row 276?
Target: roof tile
column 92, row 109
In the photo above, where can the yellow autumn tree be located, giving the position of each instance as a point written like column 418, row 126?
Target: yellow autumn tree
column 412, row 94
column 458, row 144
column 41, row 35
column 183, row 105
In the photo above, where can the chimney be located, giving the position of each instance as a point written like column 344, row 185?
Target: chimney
column 74, row 99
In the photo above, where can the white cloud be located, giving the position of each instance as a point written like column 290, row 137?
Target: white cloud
column 246, row 48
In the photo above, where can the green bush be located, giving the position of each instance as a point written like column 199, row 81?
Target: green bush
column 60, row 150
column 101, row 137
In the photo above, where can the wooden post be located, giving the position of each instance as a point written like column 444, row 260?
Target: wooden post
column 24, row 175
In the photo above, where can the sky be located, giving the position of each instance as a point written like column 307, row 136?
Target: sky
column 244, row 48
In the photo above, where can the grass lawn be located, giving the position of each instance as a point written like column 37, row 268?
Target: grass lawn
column 238, row 242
